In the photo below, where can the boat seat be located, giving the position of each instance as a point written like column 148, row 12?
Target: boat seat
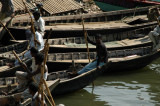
column 4, row 68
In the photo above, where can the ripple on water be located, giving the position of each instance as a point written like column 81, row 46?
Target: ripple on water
column 126, row 94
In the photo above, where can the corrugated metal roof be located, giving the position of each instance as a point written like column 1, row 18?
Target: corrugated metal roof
column 59, row 6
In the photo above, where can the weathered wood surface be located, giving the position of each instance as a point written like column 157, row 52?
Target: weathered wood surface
column 75, row 29
column 7, row 71
column 77, row 44
column 72, row 84
column 10, row 99
column 94, row 17
column 116, row 57
column 19, row 46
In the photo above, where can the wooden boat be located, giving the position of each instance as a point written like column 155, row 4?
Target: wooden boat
column 104, row 23
column 77, row 44
column 24, row 20
column 18, row 46
column 73, row 84
column 69, row 84
column 114, row 41
column 75, row 29
column 134, row 58
column 14, row 99
column 7, row 71
column 118, row 45
column 8, row 83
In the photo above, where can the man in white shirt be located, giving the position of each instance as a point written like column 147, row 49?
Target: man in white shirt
column 39, row 44
column 39, row 22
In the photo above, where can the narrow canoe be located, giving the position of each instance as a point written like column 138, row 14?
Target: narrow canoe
column 145, row 55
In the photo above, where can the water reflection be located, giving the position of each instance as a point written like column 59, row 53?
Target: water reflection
column 131, row 88
column 115, row 93
column 79, row 98
column 136, row 88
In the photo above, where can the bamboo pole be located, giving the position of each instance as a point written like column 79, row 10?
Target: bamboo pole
column 32, row 25
column 42, row 73
column 85, row 35
column 7, row 30
column 47, row 99
column 46, row 49
column 20, row 61
column 42, row 91
column 49, row 93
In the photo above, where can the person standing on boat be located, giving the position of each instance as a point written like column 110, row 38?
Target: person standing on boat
column 39, row 22
column 24, row 78
column 21, row 75
column 155, row 35
column 36, row 69
column 36, row 72
column 39, row 44
column 102, row 55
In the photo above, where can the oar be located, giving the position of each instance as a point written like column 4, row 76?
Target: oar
column 41, row 89
column 85, row 35
column 52, row 101
column 32, row 25
column 7, row 30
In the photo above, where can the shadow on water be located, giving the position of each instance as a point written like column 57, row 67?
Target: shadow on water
column 129, row 88
column 80, row 98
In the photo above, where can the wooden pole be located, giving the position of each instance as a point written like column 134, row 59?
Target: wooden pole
column 42, row 74
column 49, row 93
column 47, row 99
column 42, row 90
column 32, row 25
column 20, row 61
column 85, row 35
column 7, row 30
